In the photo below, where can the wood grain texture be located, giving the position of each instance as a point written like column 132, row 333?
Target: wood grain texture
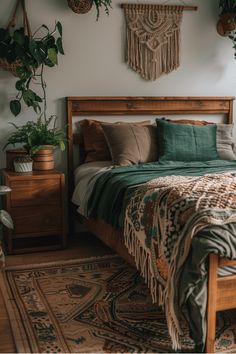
column 36, row 204
column 211, row 303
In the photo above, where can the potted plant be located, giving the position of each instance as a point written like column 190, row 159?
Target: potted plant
column 29, row 55
column 227, row 20
column 39, row 138
column 83, row 6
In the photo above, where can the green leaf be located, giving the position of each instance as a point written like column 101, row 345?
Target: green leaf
column 59, row 45
column 15, row 107
column 20, row 85
column 48, row 63
column 4, row 33
column 28, row 97
column 19, row 37
column 6, row 219
column 59, row 27
column 52, row 55
column 62, row 145
column 37, row 108
column 38, row 98
column 23, row 72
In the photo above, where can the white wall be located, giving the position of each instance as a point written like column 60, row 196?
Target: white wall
column 94, row 61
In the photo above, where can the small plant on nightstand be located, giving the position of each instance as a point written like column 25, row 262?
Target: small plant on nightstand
column 39, row 138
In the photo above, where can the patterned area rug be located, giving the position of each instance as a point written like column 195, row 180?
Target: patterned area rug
column 91, row 305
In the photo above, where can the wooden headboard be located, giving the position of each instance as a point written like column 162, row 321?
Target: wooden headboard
column 118, row 106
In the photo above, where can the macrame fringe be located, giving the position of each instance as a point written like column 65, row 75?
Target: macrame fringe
column 153, row 39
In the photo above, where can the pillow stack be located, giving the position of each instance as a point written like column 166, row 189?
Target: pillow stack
column 168, row 140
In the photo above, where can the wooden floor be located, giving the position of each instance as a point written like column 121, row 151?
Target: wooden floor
column 81, row 246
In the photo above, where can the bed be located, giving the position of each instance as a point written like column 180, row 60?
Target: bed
column 221, row 290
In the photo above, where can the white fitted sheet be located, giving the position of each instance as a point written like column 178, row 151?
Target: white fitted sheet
column 85, row 177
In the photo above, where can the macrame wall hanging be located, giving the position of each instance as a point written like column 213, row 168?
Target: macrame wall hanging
column 153, row 38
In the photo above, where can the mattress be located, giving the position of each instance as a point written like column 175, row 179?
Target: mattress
column 85, row 177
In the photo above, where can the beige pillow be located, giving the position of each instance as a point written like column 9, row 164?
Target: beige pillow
column 95, row 145
column 224, row 141
column 131, row 143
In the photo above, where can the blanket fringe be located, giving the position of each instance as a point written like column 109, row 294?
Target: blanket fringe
column 143, row 263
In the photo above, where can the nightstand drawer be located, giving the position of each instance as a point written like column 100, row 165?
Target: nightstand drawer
column 36, row 220
column 35, row 192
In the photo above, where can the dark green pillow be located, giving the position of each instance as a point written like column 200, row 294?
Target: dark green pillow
column 186, row 142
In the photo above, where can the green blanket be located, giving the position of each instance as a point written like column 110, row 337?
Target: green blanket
column 112, row 189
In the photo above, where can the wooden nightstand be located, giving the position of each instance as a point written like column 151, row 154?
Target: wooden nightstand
column 36, row 205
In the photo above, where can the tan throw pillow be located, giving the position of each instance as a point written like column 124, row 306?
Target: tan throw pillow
column 95, row 144
column 224, row 141
column 131, row 143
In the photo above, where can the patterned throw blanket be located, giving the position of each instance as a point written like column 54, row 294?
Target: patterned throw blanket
column 162, row 217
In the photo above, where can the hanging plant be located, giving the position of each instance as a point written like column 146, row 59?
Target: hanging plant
column 32, row 55
column 102, row 3
column 232, row 36
column 83, row 6
column 226, row 26
column 26, row 55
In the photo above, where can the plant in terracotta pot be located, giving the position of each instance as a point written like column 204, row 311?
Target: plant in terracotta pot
column 39, row 139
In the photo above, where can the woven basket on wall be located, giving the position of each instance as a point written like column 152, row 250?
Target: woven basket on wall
column 80, row 6
column 11, row 67
column 4, row 64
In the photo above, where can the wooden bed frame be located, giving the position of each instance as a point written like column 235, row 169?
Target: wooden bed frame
column 221, row 291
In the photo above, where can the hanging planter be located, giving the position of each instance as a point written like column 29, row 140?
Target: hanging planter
column 26, row 56
column 226, row 26
column 227, row 18
column 83, row 6
column 8, row 62
column 80, row 6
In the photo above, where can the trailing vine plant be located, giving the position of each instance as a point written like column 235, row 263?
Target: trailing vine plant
column 32, row 54
column 100, row 3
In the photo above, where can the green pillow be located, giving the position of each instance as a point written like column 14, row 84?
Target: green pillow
column 186, row 142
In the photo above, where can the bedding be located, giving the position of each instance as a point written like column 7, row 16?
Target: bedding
column 112, row 193
column 224, row 137
column 132, row 143
column 85, row 177
column 186, row 142
column 224, row 142
column 95, row 144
